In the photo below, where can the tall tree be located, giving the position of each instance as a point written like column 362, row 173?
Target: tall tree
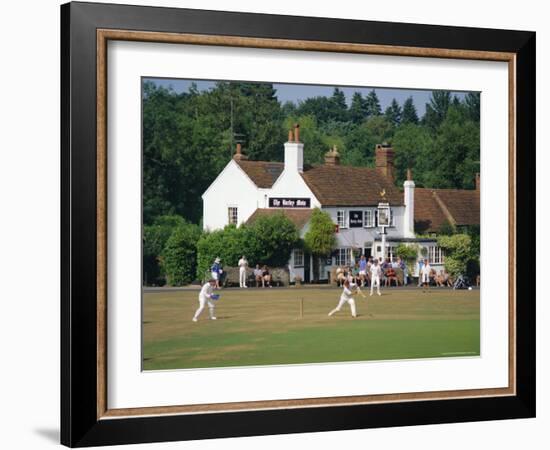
column 472, row 103
column 393, row 113
column 373, row 104
column 358, row 108
column 319, row 239
column 409, row 112
column 436, row 109
column 339, row 106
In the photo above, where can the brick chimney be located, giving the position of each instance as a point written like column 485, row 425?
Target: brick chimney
column 384, row 160
column 239, row 155
column 332, row 157
column 294, row 151
column 478, row 182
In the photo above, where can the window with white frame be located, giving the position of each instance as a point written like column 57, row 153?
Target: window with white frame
column 391, row 253
column 436, row 255
column 343, row 256
column 341, row 218
column 368, row 220
column 233, row 215
column 298, row 258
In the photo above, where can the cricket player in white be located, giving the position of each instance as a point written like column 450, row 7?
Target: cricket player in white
column 346, row 297
column 243, row 265
column 375, row 272
column 425, row 274
column 205, row 296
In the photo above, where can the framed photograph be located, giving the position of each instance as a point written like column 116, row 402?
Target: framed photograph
column 278, row 224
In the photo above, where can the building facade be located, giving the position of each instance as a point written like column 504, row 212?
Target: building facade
column 245, row 190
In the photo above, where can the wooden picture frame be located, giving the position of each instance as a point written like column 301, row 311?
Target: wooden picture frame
column 86, row 28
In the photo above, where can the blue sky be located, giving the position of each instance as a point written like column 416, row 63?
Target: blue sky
column 298, row 92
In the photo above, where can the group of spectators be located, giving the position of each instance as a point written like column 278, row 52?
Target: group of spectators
column 360, row 272
column 432, row 277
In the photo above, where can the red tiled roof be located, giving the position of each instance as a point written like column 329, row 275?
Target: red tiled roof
column 262, row 173
column 350, row 186
column 298, row 216
column 434, row 207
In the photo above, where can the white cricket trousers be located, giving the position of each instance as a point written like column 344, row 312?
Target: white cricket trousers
column 202, row 303
column 242, row 277
column 341, row 303
column 375, row 281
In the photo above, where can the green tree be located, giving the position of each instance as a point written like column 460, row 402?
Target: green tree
column 318, row 107
column 409, row 112
column 319, row 240
column 393, row 113
column 410, row 142
column 361, row 141
column 373, row 104
column 339, row 112
column 271, row 239
column 472, row 103
column 453, row 160
column 155, row 237
column 458, row 253
column 436, row 109
column 179, row 256
column 358, row 109
column 228, row 244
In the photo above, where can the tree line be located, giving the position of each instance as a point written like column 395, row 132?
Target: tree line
column 189, row 137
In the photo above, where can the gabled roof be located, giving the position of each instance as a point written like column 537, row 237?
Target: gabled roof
column 434, row 207
column 262, row 173
column 336, row 185
column 298, row 216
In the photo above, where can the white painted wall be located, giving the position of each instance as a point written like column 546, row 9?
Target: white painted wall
column 357, row 237
column 291, row 184
column 232, row 187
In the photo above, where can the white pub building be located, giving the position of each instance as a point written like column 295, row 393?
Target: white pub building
column 357, row 199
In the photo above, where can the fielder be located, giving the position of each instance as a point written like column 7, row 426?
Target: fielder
column 346, row 297
column 243, row 265
column 375, row 273
column 216, row 272
column 206, row 296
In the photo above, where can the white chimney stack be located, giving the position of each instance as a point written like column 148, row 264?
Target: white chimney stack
column 408, row 226
column 294, row 151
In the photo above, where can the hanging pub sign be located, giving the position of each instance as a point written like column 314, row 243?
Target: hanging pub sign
column 283, row 202
column 355, row 219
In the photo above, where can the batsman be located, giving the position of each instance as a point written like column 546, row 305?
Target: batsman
column 350, row 289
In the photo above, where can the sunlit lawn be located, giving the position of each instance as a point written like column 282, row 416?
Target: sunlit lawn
column 263, row 326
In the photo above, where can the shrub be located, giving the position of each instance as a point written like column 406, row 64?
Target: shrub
column 229, row 244
column 179, row 256
column 459, row 253
column 155, row 237
column 409, row 254
column 269, row 240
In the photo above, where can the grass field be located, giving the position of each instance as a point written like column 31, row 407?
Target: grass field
column 263, row 326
